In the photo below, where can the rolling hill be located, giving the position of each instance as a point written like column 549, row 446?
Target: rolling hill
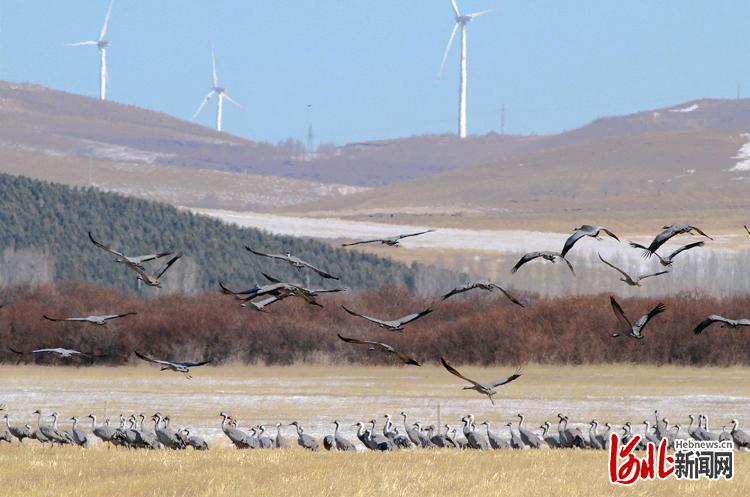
column 43, row 237
column 635, row 171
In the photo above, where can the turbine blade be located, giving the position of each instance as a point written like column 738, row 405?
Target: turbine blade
column 447, row 49
column 455, row 8
column 214, row 77
column 233, row 100
column 80, row 44
column 103, row 32
column 480, row 13
column 203, row 103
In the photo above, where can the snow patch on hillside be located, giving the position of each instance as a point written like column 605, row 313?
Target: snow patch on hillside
column 743, row 156
column 689, row 108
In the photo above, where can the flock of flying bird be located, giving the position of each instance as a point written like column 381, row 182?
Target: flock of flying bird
column 276, row 290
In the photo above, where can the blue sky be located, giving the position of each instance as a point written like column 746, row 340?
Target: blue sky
column 368, row 69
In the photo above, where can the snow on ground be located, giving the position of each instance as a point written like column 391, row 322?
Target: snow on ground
column 689, row 108
column 743, row 156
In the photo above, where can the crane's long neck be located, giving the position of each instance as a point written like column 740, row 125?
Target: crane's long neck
column 336, row 430
column 7, row 422
column 388, row 424
column 406, row 426
column 93, row 423
column 75, row 423
column 705, row 423
column 735, row 424
column 39, row 420
column 54, row 422
column 520, row 423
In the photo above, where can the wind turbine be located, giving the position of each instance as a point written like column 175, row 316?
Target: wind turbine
column 102, row 44
column 462, row 21
column 221, row 94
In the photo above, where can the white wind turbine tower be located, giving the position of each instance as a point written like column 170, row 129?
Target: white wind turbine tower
column 102, row 44
column 221, row 94
column 462, row 21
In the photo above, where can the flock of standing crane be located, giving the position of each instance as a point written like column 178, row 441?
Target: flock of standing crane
column 133, row 433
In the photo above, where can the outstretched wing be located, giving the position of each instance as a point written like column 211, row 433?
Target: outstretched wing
column 460, row 289
column 359, row 342
column 455, row 372
column 48, row 318
column 507, row 294
column 570, row 266
column 150, row 257
column 708, row 322
column 15, row 351
column 318, row 270
column 524, row 259
column 400, row 237
column 572, row 239
column 270, row 278
column 189, row 364
column 149, row 359
column 371, row 319
column 168, row 265
column 619, row 314
column 701, row 232
column 643, row 320
column 104, row 247
column 262, row 254
column 115, row 316
column 607, row 231
column 517, row 374
column 374, row 240
column 747, row 229
column 413, row 317
column 626, row 275
column 686, row 247
column 644, row 276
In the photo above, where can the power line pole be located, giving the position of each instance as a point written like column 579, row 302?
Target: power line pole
column 502, row 120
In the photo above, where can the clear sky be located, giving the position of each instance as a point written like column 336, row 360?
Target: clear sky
column 366, row 69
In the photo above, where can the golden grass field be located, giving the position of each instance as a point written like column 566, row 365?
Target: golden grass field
column 97, row 472
column 316, row 395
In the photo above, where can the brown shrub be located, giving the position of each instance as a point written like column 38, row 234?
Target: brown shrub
column 476, row 329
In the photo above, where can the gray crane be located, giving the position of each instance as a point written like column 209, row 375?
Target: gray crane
column 281, row 442
column 51, row 434
column 391, row 241
column 19, row 433
column 177, row 366
column 416, row 437
column 741, row 439
column 634, row 330
column 693, row 432
column 487, row 389
column 547, row 256
column 194, row 441
column 669, row 232
column 706, row 433
column 594, row 438
column 380, row 440
column 725, row 323
column 166, row 437
column 63, row 353
column 392, row 325
column 264, row 441
column 515, row 441
column 340, row 441
column 64, row 434
column 648, row 435
column 528, row 437
column 329, row 443
column 303, row 440
column 495, row 441
column 474, row 439
column 668, row 260
column 154, row 280
column 99, row 320
column 549, row 438
column 582, row 231
column 626, row 278
column 384, row 347
column 365, row 437
column 133, row 261
column 569, row 437
column 425, row 441
column 295, row 262
column 660, row 426
column 482, row 285
column 105, row 433
column 436, row 438
column 149, row 438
